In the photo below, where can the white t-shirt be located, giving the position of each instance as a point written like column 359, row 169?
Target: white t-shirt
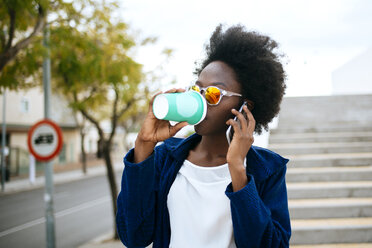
column 199, row 210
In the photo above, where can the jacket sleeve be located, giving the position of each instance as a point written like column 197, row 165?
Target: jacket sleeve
column 135, row 217
column 261, row 221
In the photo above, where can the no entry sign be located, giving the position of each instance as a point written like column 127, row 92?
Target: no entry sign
column 44, row 140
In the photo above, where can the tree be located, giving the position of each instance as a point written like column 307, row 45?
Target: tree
column 21, row 50
column 91, row 61
column 93, row 69
column 15, row 36
column 81, row 123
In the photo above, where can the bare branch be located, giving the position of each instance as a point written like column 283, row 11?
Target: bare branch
column 89, row 117
column 127, row 107
column 2, row 39
column 93, row 121
column 12, row 15
column 40, row 24
column 114, row 118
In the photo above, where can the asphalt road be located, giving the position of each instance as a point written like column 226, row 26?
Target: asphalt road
column 83, row 211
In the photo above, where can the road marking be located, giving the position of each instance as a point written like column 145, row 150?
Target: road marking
column 21, row 227
column 82, row 206
column 57, row 215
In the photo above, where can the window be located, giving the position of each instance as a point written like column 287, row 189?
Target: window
column 25, row 105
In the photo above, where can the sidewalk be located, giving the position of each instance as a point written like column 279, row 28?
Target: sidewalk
column 104, row 241
column 19, row 185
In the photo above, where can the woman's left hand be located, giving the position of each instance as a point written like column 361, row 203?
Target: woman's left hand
column 241, row 143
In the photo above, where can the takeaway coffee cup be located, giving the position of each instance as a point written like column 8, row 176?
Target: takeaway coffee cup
column 187, row 106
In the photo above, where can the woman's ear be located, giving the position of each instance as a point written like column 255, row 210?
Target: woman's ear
column 250, row 104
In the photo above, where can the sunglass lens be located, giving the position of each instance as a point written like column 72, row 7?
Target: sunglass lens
column 212, row 95
column 195, row 88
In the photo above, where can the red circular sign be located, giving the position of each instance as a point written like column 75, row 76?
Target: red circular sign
column 45, row 140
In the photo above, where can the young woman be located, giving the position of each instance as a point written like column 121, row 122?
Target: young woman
column 201, row 191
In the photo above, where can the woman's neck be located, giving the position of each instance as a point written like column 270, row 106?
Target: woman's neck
column 211, row 150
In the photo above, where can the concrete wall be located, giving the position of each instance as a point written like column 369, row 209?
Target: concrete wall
column 18, row 140
column 343, row 110
column 355, row 76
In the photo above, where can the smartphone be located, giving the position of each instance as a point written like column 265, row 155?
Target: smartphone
column 230, row 130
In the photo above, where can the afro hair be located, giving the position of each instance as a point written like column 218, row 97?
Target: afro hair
column 257, row 68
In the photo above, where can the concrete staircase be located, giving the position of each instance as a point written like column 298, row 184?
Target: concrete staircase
column 329, row 178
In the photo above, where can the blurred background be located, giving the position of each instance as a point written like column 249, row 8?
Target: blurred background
column 108, row 58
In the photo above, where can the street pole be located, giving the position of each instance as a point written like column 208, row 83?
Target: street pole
column 48, row 169
column 3, row 145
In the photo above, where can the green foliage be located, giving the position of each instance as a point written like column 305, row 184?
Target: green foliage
column 91, row 65
column 25, row 70
column 91, row 61
column 25, row 13
column 21, row 49
column 90, row 52
column 17, row 20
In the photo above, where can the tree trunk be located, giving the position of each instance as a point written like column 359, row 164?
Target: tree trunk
column 112, row 181
column 83, row 153
column 100, row 145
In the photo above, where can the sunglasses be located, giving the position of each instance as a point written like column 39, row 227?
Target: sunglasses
column 213, row 94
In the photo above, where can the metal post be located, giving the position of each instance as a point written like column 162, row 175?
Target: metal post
column 48, row 170
column 3, row 145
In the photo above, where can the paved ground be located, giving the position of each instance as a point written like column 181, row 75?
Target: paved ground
column 77, row 198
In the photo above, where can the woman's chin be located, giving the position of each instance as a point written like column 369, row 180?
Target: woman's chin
column 201, row 128
column 207, row 127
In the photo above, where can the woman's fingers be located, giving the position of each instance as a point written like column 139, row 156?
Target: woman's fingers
column 242, row 119
column 152, row 100
column 246, row 126
column 251, row 120
column 174, row 129
column 181, row 90
column 235, row 125
column 174, row 90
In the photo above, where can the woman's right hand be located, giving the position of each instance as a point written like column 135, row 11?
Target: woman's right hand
column 154, row 130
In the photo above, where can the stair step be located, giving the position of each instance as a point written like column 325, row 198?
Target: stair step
column 329, row 189
column 317, row 174
column 323, row 231
column 330, row 160
column 283, row 129
column 329, row 147
column 330, row 208
column 320, row 137
column 359, row 245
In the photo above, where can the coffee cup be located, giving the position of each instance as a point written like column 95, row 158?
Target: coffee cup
column 189, row 106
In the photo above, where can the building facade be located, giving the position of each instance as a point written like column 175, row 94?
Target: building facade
column 25, row 108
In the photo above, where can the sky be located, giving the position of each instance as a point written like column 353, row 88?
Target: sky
column 317, row 37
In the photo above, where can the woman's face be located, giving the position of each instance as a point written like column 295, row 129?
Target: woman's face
column 221, row 75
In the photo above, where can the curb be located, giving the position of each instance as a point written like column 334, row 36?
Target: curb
column 58, row 178
column 103, row 241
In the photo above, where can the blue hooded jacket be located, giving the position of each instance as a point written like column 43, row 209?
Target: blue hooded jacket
column 259, row 211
